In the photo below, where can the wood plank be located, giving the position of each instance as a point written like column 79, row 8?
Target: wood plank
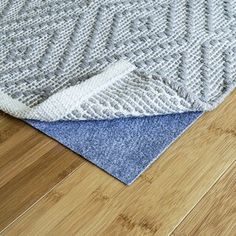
column 30, row 165
column 215, row 214
column 90, row 202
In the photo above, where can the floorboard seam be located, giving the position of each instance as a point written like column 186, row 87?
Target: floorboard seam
column 36, row 202
column 189, row 212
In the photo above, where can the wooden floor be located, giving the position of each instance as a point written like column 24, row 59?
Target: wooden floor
column 45, row 189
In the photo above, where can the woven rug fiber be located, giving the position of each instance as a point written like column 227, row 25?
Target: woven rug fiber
column 122, row 147
column 93, row 59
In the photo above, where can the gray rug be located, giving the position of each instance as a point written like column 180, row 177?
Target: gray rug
column 90, row 59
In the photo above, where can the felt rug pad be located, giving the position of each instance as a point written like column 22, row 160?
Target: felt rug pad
column 122, row 147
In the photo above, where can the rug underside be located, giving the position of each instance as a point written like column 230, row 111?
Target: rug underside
column 92, row 59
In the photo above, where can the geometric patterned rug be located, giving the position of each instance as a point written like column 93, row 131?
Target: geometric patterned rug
column 92, row 61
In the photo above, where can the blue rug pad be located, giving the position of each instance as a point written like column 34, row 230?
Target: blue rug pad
column 122, row 147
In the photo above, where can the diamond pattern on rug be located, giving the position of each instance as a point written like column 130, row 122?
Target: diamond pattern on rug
column 184, row 53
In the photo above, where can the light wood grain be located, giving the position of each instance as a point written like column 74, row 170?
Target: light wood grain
column 216, row 212
column 30, row 165
column 90, row 202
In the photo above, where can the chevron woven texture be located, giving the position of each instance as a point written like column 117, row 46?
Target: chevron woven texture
column 92, row 59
